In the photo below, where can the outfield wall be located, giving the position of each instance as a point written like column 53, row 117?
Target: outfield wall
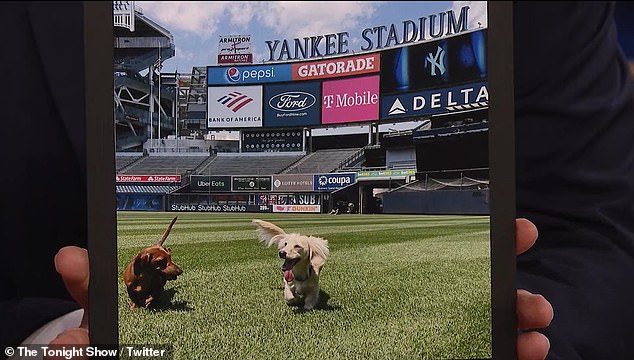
column 441, row 202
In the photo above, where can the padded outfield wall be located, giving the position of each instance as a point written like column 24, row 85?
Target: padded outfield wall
column 444, row 202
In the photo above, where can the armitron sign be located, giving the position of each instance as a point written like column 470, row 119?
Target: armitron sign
column 235, row 59
column 235, row 49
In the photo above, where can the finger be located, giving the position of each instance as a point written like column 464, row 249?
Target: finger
column 532, row 346
column 525, row 235
column 77, row 338
column 533, row 310
column 71, row 263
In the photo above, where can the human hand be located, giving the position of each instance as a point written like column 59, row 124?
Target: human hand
column 71, row 263
column 533, row 310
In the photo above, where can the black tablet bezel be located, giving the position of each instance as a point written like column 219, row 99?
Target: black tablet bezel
column 502, row 178
column 100, row 156
column 98, row 26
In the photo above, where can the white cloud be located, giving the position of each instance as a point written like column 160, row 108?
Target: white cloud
column 286, row 18
column 242, row 12
column 290, row 18
column 477, row 13
column 198, row 17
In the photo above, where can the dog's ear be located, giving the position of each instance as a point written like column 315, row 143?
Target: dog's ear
column 268, row 233
column 318, row 252
column 140, row 262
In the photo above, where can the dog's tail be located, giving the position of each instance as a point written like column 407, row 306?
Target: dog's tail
column 167, row 232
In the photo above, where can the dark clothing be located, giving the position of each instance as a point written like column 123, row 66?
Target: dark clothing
column 575, row 168
column 575, row 174
column 43, row 179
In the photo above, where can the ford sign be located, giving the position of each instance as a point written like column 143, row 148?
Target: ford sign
column 292, row 101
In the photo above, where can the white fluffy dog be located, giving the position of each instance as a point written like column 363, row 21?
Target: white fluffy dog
column 304, row 257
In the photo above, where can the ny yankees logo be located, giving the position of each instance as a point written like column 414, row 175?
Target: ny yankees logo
column 436, row 61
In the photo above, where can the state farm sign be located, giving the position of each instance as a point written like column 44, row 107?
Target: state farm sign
column 149, row 178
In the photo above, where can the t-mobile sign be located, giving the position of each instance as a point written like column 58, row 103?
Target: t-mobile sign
column 350, row 100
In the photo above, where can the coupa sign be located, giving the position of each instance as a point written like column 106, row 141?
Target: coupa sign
column 333, row 181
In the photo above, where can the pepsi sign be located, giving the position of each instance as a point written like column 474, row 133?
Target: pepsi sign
column 248, row 74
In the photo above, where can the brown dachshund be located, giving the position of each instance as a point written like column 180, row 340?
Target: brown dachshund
column 145, row 276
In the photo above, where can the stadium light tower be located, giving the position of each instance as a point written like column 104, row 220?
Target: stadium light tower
column 150, row 76
column 159, row 65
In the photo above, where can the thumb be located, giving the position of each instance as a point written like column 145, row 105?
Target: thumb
column 71, row 262
column 525, row 235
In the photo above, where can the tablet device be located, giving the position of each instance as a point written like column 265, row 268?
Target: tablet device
column 100, row 144
column 385, row 296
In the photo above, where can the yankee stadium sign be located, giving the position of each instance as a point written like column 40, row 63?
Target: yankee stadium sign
column 384, row 36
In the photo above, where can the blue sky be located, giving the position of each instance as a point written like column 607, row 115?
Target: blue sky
column 197, row 25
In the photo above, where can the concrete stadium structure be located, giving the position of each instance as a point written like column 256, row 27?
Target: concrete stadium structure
column 164, row 149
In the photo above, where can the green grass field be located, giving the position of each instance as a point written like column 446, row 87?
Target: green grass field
column 397, row 287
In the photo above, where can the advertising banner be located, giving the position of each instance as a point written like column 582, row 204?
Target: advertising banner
column 148, row 178
column 293, row 182
column 437, row 101
column 292, row 105
column 384, row 174
column 235, row 59
column 338, row 67
column 193, row 206
column 234, row 107
column 234, row 49
column 248, row 74
column 297, row 208
column 350, row 100
column 289, row 199
column 206, row 183
column 333, row 181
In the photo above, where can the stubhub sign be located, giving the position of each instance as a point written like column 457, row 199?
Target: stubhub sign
column 248, row 74
column 333, row 181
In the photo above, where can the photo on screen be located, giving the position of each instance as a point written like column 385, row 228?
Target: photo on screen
column 373, row 137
